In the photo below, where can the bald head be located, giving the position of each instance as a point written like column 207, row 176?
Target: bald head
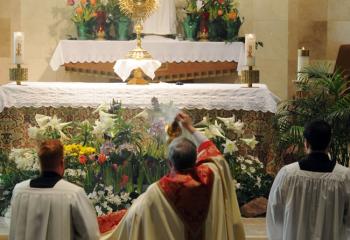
column 182, row 153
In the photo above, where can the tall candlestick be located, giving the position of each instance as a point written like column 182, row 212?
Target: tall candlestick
column 303, row 62
column 250, row 40
column 18, row 47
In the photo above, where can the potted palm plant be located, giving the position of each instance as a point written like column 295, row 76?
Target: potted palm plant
column 325, row 96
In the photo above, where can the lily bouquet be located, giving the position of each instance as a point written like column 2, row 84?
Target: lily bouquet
column 229, row 135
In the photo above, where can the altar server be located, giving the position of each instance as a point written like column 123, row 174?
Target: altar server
column 196, row 200
column 48, row 207
column 310, row 199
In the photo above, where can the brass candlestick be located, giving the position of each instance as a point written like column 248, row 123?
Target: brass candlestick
column 250, row 76
column 18, row 74
column 101, row 34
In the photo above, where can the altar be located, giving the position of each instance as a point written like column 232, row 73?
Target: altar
column 181, row 60
column 76, row 101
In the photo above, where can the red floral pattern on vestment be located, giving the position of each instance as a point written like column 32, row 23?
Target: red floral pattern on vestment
column 189, row 192
column 206, row 151
column 109, row 221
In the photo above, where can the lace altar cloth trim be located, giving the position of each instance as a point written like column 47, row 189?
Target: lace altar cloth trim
column 189, row 96
column 162, row 49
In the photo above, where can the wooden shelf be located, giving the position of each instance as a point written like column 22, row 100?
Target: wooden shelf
column 182, row 71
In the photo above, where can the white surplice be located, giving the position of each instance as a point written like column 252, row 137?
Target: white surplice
column 163, row 20
column 307, row 205
column 61, row 212
column 151, row 217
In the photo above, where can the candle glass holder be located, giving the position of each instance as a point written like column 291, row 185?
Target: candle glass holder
column 303, row 62
column 18, row 74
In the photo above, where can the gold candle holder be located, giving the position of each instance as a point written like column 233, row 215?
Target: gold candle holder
column 203, row 36
column 137, row 77
column 101, row 34
column 250, row 76
column 18, row 74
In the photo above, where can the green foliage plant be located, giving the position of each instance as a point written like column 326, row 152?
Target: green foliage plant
column 325, row 96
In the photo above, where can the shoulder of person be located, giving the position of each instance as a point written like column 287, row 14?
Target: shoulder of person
column 342, row 171
column 290, row 168
column 67, row 186
column 22, row 185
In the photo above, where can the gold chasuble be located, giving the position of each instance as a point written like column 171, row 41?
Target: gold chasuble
column 199, row 204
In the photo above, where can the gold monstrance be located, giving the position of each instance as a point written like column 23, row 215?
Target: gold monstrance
column 138, row 11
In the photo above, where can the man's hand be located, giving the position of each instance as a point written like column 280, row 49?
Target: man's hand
column 186, row 121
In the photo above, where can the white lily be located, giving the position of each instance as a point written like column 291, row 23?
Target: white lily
column 55, row 123
column 42, row 120
column 250, row 142
column 104, row 116
column 230, row 146
column 238, row 127
column 103, row 107
column 216, row 130
column 44, row 123
column 229, row 122
column 98, row 129
column 34, row 132
column 144, row 114
column 203, row 122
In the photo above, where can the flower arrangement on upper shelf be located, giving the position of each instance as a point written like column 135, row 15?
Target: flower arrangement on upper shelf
column 224, row 21
column 84, row 16
column 101, row 19
column 216, row 20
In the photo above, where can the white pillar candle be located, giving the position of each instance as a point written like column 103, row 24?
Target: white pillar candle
column 250, row 41
column 18, row 47
column 303, row 61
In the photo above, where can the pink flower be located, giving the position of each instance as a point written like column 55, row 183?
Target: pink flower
column 70, row 2
column 124, row 181
column 92, row 157
column 115, row 166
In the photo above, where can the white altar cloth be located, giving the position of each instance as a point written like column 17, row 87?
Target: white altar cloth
column 124, row 67
column 189, row 96
column 162, row 49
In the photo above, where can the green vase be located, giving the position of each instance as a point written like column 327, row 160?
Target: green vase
column 83, row 31
column 212, row 36
column 233, row 29
column 190, row 26
column 122, row 28
column 217, row 30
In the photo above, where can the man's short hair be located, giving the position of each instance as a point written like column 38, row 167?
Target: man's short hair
column 182, row 153
column 50, row 154
column 318, row 134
